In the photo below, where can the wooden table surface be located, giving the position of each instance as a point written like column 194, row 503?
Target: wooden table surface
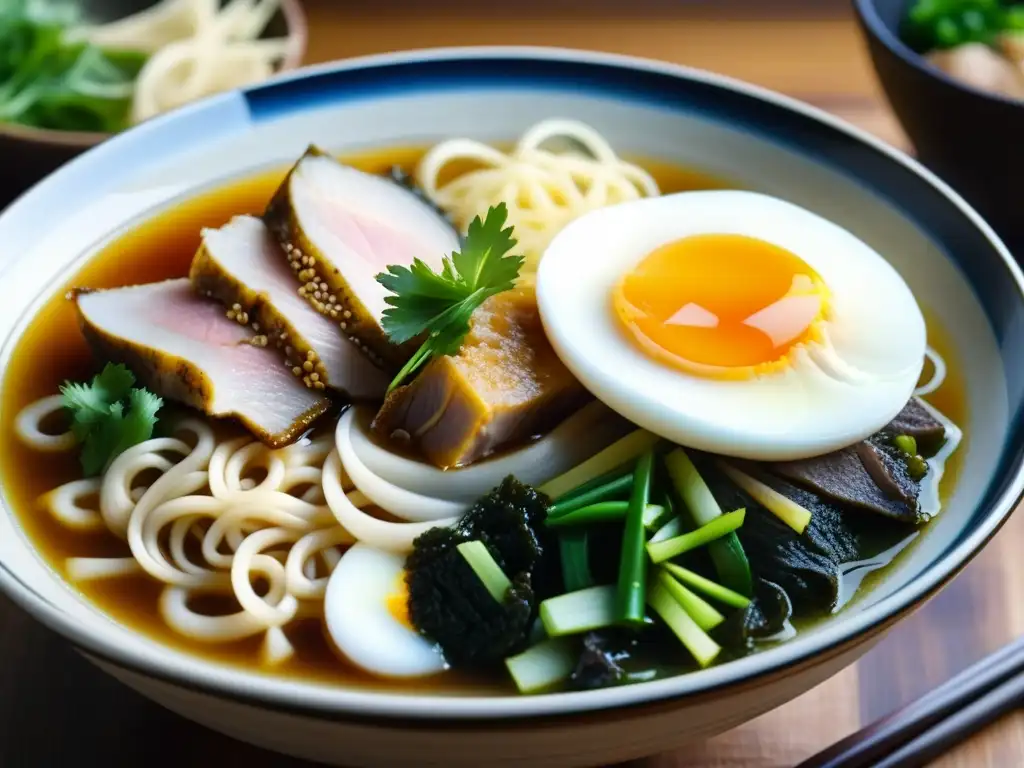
column 55, row 708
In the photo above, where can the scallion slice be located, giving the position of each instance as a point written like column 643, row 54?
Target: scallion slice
column 486, row 568
column 579, row 611
column 544, row 665
column 716, row 529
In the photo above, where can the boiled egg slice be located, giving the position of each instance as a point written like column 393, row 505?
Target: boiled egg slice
column 366, row 611
column 732, row 322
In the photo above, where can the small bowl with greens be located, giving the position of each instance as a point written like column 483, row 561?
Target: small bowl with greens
column 74, row 72
column 953, row 71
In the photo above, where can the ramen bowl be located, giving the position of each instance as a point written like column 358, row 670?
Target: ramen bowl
column 960, row 273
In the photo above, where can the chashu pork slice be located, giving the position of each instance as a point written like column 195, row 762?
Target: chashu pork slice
column 340, row 228
column 241, row 266
column 182, row 346
column 505, row 385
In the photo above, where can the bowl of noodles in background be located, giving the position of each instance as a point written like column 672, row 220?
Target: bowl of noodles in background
column 78, row 71
column 121, row 561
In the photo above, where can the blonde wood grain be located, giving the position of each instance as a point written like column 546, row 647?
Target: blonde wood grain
column 781, row 737
column 797, row 56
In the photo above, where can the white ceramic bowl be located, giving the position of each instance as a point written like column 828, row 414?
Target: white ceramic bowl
column 955, row 265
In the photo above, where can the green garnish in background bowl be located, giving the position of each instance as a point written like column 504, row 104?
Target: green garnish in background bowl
column 48, row 82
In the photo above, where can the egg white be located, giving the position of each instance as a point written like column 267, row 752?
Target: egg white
column 362, row 627
column 831, row 396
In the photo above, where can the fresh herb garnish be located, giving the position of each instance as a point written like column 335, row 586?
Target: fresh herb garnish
column 942, row 24
column 440, row 304
column 48, row 82
column 108, row 417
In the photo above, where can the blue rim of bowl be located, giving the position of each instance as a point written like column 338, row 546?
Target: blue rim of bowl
column 912, row 189
column 872, row 21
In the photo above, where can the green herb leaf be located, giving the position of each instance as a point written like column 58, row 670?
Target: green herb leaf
column 100, row 421
column 48, row 82
column 441, row 304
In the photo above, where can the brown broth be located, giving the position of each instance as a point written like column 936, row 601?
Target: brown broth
column 162, row 247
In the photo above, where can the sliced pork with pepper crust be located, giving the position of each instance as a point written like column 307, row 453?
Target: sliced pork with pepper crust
column 505, row 384
column 340, row 228
column 183, row 347
column 241, row 265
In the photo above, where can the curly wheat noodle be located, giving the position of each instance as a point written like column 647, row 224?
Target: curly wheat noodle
column 394, row 537
column 167, row 488
column 116, row 498
column 300, row 569
column 399, row 501
column 28, row 426
column 254, row 454
column 938, row 374
column 178, row 616
column 62, row 504
column 544, row 189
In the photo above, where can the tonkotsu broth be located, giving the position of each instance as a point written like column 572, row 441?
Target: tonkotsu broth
column 53, row 350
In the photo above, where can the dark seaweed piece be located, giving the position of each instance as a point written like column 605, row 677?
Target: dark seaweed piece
column 766, row 616
column 806, row 566
column 405, row 180
column 916, row 421
column 447, row 601
column 619, row 655
column 599, row 663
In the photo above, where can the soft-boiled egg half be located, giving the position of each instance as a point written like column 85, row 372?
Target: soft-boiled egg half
column 732, row 322
column 366, row 611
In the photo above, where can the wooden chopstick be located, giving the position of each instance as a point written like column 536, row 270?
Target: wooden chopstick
column 940, row 718
column 958, row 726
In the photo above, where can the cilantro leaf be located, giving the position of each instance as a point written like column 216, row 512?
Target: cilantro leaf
column 108, row 417
column 441, row 304
column 482, row 261
column 90, row 403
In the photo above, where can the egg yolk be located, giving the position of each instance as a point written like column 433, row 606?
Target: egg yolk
column 723, row 306
column 398, row 603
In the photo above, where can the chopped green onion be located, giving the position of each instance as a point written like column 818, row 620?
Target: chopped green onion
column 696, row 640
column 708, row 587
column 700, row 610
column 787, row 510
column 716, row 529
column 669, row 530
column 603, row 512
column 632, row 563
column 574, row 548
column 665, row 497
column 906, row 444
column 612, row 457
column 595, row 513
column 486, row 568
column 580, row 611
column 544, row 665
column 603, row 492
column 726, row 553
column 607, row 477
column 655, row 515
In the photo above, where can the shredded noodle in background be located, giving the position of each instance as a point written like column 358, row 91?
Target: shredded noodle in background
column 196, row 47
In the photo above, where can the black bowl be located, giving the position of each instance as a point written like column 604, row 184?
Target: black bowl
column 970, row 138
